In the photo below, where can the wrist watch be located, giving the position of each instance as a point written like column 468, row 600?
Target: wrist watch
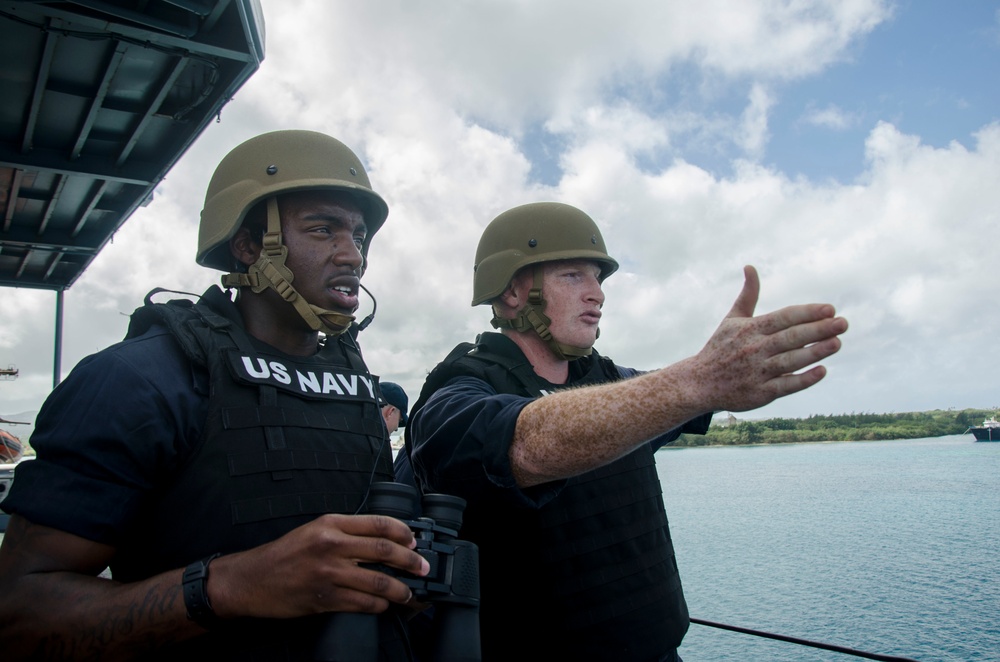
column 195, row 584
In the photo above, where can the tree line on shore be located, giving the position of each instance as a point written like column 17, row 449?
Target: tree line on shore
column 842, row 427
column 730, row 431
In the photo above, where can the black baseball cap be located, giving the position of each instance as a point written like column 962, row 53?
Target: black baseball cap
column 393, row 394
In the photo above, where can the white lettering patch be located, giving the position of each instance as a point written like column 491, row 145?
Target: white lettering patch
column 308, row 379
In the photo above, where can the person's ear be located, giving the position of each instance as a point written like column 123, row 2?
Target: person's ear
column 510, row 297
column 244, row 248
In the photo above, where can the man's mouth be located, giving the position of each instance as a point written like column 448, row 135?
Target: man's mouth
column 344, row 295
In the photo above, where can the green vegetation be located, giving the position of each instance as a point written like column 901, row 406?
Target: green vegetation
column 845, row 427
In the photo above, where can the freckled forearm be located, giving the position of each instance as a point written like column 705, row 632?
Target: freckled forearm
column 574, row 431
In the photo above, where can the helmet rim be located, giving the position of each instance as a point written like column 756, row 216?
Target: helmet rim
column 531, row 234
column 276, row 163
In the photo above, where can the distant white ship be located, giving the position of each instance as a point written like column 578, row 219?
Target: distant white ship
column 988, row 431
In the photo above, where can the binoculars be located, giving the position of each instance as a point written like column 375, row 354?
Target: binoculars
column 451, row 586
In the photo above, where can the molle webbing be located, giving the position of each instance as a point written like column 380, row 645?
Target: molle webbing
column 629, row 602
column 617, row 507
column 278, row 458
column 262, row 509
column 604, row 541
column 269, row 458
column 238, row 418
column 244, row 464
column 604, row 500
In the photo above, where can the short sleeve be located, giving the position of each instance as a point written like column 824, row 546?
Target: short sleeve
column 460, row 444
column 119, row 424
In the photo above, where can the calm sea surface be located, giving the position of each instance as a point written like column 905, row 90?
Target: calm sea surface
column 888, row 547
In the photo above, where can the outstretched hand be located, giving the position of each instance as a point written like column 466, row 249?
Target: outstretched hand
column 751, row 361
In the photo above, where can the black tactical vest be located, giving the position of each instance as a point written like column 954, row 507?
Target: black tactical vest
column 286, row 439
column 589, row 576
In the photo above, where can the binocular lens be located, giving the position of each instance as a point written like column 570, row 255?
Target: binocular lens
column 393, row 499
column 444, row 509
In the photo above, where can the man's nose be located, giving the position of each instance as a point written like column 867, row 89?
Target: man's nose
column 349, row 253
column 596, row 292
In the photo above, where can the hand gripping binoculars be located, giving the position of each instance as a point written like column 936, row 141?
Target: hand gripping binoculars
column 451, row 586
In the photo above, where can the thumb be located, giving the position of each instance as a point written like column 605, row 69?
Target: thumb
column 746, row 302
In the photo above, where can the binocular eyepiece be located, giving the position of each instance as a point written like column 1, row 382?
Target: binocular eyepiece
column 451, row 586
column 403, row 502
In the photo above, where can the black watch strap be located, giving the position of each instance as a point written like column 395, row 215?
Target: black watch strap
column 195, row 584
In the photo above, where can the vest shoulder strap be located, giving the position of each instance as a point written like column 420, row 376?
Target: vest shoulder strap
column 492, row 358
column 344, row 346
column 190, row 323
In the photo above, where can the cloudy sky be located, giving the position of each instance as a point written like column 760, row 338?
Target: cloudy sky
column 850, row 149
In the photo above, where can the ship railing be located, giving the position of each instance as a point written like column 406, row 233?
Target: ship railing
column 803, row 642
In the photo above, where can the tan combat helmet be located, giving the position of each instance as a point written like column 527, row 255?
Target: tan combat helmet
column 530, row 235
column 260, row 169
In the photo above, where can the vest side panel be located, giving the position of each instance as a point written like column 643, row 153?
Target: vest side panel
column 268, row 462
column 597, row 561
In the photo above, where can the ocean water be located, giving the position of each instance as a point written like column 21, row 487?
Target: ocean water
column 887, row 547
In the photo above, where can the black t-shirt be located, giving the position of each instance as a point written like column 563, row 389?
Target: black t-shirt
column 122, row 419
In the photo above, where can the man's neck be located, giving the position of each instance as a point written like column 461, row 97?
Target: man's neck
column 264, row 319
column 546, row 364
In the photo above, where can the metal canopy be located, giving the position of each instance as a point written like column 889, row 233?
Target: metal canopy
column 98, row 100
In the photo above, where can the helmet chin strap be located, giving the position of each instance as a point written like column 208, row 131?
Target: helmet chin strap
column 532, row 318
column 270, row 271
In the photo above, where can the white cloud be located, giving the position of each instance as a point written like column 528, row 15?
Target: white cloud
column 830, row 117
column 753, row 125
column 436, row 99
